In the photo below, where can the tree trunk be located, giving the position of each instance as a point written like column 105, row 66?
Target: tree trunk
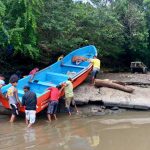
column 111, row 84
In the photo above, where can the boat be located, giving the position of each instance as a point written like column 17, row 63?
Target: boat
column 54, row 75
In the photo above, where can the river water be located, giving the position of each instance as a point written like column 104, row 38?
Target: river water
column 122, row 131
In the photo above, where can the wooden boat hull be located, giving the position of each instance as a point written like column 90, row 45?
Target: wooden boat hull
column 54, row 73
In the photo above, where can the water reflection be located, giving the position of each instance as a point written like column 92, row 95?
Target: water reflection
column 94, row 140
column 29, row 135
column 126, row 131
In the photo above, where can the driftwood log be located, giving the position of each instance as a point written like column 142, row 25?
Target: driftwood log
column 113, row 84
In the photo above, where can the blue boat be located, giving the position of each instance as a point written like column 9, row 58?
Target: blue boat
column 54, row 75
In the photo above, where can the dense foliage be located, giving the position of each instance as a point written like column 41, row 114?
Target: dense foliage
column 41, row 30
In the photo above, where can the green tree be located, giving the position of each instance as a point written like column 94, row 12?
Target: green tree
column 132, row 17
column 20, row 26
column 46, row 28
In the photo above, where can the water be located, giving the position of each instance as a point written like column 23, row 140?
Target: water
column 127, row 130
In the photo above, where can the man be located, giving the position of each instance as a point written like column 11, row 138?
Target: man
column 53, row 102
column 14, row 78
column 96, row 67
column 29, row 100
column 60, row 57
column 12, row 95
column 68, row 87
column 2, row 82
column 33, row 72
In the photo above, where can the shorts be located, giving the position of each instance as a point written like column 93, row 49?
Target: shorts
column 69, row 101
column 95, row 72
column 52, row 107
column 30, row 116
column 14, row 109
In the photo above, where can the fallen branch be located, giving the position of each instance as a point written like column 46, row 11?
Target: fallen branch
column 111, row 84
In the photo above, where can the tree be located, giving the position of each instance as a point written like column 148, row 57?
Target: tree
column 132, row 17
column 47, row 28
column 20, row 26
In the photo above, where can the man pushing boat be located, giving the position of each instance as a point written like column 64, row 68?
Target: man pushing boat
column 12, row 95
column 69, row 95
column 96, row 68
column 53, row 102
column 29, row 100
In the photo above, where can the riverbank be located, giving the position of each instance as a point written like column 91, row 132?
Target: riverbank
column 139, row 99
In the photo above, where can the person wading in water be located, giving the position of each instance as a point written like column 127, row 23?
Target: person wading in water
column 12, row 95
column 53, row 102
column 29, row 100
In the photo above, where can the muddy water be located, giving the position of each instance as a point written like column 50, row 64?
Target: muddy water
column 127, row 130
